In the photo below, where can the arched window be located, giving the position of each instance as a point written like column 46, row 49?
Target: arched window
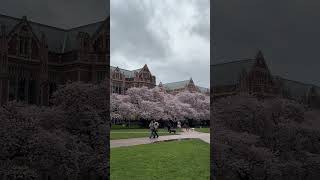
column 24, row 42
column 98, row 45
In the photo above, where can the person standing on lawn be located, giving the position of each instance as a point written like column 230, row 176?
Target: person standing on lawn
column 156, row 126
column 152, row 129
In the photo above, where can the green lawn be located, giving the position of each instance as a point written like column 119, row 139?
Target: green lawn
column 174, row 160
column 204, row 130
column 135, row 133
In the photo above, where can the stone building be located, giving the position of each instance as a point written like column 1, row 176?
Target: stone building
column 122, row 79
column 243, row 76
column 36, row 58
column 187, row 85
column 252, row 76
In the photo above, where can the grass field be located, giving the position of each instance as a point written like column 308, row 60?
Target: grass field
column 135, row 133
column 204, row 130
column 174, row 160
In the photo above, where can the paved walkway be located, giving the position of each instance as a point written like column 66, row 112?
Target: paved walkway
column 183, row 135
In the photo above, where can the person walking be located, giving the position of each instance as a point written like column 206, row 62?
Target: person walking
column 179, row 124
column 152, row 129
column 186, row 126
column 169, row 127
column 156, row 126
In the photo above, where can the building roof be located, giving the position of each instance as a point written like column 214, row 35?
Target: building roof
column 125, row 72
column 182, row 84
column 176, row 85
column 59, row 40
column 228, row 73
column 296, row 88
column 71, row 35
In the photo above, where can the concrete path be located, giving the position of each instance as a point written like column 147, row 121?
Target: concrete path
column 183, row 135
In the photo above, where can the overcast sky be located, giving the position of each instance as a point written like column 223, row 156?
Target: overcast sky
column 171, row 36
column 59, row 13
column 287, row 31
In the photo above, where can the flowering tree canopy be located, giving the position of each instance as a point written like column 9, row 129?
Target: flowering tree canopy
column 68, row 139
column 270, row 139
column 156, row 104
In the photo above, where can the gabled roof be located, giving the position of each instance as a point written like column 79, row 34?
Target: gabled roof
column 54, row 35
column 71, row 35
column 182, row 84
column 228, row 73
column 125, row 72
column 59, row 40
column 176, row 85
column 136, row 70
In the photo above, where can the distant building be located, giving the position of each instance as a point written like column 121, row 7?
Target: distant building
column 122, row 79
column 252, row 76
column 36, row 58
column 187, row 85
column 301, row 92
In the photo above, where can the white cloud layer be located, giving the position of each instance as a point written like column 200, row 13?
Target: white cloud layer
column 171, row 36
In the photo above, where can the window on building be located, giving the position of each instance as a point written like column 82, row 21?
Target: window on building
column 24, row 46
column 98, row 45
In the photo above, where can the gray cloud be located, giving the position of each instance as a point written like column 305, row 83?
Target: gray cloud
column 287, row 31
column 201, row 26
column 130, row 31
column 172, row 37
column 59, row 13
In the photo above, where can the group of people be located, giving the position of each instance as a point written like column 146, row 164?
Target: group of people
column 154, row 125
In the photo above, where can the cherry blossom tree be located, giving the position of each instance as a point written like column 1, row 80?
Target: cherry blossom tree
column 156, row 104
column 115, row 102
column 86, row 110
column 68, row 139
column 264, row 139
column 28, row 143
column 199, row 104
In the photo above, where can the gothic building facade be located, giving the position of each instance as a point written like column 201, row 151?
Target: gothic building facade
column 243, row 76
column 36, row 58
column 252, row 76
column 122, row 79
